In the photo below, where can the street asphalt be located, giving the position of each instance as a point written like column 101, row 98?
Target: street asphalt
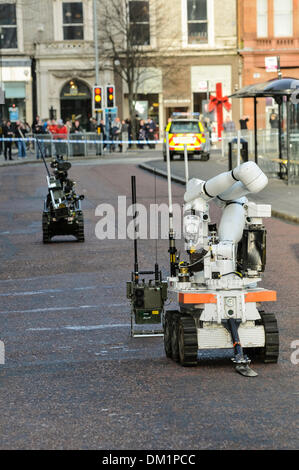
column 73, row 377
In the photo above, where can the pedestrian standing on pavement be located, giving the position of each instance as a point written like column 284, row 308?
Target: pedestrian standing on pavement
column 3, row 123
column 274, row 122
column 229, row 125
column 69, row 124
column 20, row 133
column 35, row 122
column 40, row 131
column 208, row 133
column 78, row 149
column 61, row 135
column 46, row 124
column 124, row 131
column 47, row 137
column 52, row 127
column 102, row 128
column 150, row 129
column 92, row 125
column 116, row 132
column 101, row 133
column 141, row 133
column 243, row 122
column 129, row 124
column 8, row 134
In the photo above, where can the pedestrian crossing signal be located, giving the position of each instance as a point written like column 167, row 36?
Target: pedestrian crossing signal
column 97, row 98
column 110, row 96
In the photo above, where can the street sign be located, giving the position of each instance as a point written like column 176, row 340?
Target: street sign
column 203, row 86
column 271, row 64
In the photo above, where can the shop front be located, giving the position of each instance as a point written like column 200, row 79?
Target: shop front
column 15, row 76
column 14, row 108
column 148, row 104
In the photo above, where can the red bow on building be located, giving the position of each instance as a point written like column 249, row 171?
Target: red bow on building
column 217, row 102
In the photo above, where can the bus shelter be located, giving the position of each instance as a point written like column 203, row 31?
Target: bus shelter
column 285, row 92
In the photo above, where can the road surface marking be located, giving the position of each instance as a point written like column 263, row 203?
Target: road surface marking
column 46, row 291
column 54, row 309
column 82, row 328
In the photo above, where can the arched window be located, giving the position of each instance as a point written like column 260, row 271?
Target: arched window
column 75, row 102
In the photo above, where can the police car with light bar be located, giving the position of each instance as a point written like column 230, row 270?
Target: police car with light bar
column 186, row 131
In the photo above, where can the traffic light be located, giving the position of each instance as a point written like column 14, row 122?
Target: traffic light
column 97, row 98
column 110, row 96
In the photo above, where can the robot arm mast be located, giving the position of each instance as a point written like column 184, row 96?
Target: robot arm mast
column 244, row 179
column 229, row 189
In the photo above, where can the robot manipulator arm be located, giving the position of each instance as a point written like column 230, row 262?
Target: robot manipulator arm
column 229, row 188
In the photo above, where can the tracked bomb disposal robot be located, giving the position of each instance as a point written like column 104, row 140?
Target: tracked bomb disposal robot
column 217, row 286
column 62, row 214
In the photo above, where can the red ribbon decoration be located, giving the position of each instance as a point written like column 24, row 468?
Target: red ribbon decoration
column 218, row 102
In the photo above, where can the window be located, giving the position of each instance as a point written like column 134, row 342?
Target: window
column 262, row 18
column 184, row 127
column 8, row 26
column 197, row 21
column 283, row 18
column 72, row 16
column 139, row 22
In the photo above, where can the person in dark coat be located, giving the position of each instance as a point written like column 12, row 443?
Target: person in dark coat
column 150, row 129
column 8, row 133
column 78, row 149
column 39, row 132
column 102, row 131
column 141, row 133
column 34, row 124
column 243, row 122
column 129, row 124
column 274, row 122
column 2, row 125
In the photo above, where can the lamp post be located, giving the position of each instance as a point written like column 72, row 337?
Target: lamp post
column 95, row 32
column 2, row 101
column 96, row 49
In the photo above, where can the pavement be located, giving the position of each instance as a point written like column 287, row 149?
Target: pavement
column 284, row 199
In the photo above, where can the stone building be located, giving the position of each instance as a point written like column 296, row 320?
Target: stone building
column 194, row 43
column 48, row 57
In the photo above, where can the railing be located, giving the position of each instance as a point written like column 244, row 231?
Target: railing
column 77, row 145
column 70, row 145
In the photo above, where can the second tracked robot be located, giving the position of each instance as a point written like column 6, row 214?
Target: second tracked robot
column 62, row 214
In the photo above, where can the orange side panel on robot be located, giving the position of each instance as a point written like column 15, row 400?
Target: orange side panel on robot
column 207, row 298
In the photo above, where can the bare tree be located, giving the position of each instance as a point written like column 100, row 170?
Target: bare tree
column 123, row 41
column 125, row 31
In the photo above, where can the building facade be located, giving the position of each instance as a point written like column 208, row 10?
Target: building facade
column 267, row 28
column 194, row 50
column 48, row 57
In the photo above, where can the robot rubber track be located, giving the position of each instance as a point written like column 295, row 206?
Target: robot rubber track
column 216, row 288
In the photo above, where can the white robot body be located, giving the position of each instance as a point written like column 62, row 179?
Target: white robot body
column 216, row 289
column 232, row 222
column 211, row 285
